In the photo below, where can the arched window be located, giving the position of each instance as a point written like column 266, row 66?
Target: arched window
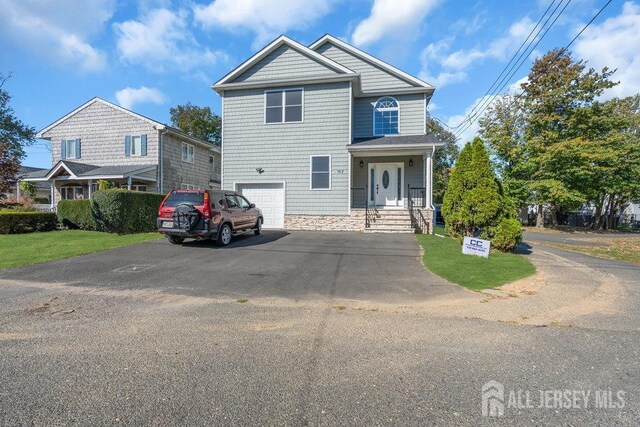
column 385, row 116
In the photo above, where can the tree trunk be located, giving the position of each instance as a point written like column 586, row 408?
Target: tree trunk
column 554, row 215
column 539, row 217
column 598, row 213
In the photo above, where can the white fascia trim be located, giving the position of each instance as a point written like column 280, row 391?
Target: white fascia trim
column 369, row 58
column 57, row 168
column 181, row 135
column 91, row 102
column 354, row 147
column 274, row 45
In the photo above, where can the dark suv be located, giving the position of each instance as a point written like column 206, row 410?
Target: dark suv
column 204, row 214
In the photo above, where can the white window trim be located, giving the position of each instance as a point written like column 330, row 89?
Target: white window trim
column 386, row 109
column 311, row 172
column 283, row 105
column 131, row 147
column 193, row 149
column 74, row 187
column 66, row 148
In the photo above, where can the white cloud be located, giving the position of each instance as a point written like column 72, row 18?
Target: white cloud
column 59, row 31
column 162, row 39
column 611, row 44
column 128, row 97
column 454, row 66
column 266, row 18
column 457, row 120
column 391, row 18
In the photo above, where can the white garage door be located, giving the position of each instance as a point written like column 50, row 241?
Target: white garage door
column 269, row 198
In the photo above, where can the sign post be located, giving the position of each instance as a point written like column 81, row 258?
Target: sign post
column 474, row 246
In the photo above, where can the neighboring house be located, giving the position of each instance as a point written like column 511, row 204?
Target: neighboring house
column 314, row 134
column 103, row 141
column 43, row 189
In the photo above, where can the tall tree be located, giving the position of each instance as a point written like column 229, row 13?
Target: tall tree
column 443, row 159
column 557, row 89
column 198, row 122
column 14, row 136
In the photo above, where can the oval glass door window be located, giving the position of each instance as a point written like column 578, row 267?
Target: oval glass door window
column 385, row 179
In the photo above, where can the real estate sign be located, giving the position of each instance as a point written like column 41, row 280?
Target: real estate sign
column 478, row 247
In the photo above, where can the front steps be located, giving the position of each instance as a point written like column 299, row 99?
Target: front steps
column 389, row 221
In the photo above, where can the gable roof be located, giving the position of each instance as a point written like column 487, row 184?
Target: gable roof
column 85, row 171
column 154, row 123
column 91, row 102
column 328, row 38
column 280, row 41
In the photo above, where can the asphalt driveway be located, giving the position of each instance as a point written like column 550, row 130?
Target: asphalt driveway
column 296, row 265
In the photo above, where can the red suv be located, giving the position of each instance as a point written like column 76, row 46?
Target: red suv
column 202, row 214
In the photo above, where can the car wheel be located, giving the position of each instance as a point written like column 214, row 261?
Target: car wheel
column 258, row 230
column 176, row 240
column 225, row 235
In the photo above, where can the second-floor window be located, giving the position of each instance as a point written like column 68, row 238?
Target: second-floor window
column 386, row 117
column 187, row 153
column 135, row 145
column 283, row 106
column 70, row 149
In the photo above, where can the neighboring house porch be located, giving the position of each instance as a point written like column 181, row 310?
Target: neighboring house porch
column 72, row 180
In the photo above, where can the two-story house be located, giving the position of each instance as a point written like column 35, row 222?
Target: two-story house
column 328, row 137
column 103, row 141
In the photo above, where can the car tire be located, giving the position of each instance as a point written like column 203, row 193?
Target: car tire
column 224, row 237
column 176, row 240
column 258, row 230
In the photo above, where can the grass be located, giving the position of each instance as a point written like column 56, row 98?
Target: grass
column 620, row 249
column 17, row 250
column 443, row 256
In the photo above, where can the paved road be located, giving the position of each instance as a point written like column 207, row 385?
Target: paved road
column 113, row 350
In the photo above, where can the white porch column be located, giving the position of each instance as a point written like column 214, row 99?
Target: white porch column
column 429, row 179
column 17, row 191
column 90, row 185
column 129, row 183
column 53, row 194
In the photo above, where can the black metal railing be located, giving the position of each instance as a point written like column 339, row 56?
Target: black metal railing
column 416, row 200
column 359, row 199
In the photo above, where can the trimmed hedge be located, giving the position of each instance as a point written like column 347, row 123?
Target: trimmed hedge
column 122, row 211
column 76, row 214
column 26, row 222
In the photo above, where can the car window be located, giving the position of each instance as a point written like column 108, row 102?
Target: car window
column 231, row 201
column 244, row 203
column 190, row 198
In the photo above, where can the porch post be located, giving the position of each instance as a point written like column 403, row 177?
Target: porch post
column 17, row 190
column 429, row 179
column 129, row 183
column 53, row 193
column 90, row 185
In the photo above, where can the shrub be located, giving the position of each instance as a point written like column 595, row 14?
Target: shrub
column 103, row 184
column 76, row 214
column 13, row 222
column 41, row 200
column 123, row 212
column 506, row 235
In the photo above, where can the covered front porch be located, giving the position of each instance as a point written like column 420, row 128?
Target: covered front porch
column 391, row 173
column 75, row 181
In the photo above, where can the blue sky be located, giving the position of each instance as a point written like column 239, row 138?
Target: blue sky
column 149, row 55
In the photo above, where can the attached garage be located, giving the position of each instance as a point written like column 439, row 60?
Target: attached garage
column 269, row 197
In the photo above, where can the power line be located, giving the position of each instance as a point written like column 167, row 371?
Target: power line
column 564, row 49
column 486, row 102
column 498, row 79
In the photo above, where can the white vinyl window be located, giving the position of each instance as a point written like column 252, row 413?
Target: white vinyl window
column 187, row 153
column 386, row 117
column 283, row 106
column 72, row 193
column 188, row 187
column 136, row 145
column 320, row 172
column 70, row 149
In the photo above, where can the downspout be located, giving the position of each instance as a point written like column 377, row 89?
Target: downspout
column 162, row 130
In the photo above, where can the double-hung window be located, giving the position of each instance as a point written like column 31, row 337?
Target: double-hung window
column 320, row 172
column 283, row 106
column 386, row 117
column 135, row 145
column 187, row 153
column 70, row 149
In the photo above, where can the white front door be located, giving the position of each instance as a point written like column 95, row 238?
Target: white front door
column 387, row 184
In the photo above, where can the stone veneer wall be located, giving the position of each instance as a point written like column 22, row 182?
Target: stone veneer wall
column 353, row 222
column 428, row 215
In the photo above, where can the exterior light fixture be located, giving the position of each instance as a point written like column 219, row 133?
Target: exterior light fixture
column 410, row 162
column 361, row 163
column 260, row 170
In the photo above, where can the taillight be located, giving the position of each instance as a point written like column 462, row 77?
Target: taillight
column 207, row 207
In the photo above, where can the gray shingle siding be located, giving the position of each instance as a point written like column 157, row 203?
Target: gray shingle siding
column 102, row 130
column 412, row 117
column 178, row 172
column 283, row 150
column 373, row 77
column 284, row 63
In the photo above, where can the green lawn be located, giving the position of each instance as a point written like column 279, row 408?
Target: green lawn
column 23, row 249
column 443, row 256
